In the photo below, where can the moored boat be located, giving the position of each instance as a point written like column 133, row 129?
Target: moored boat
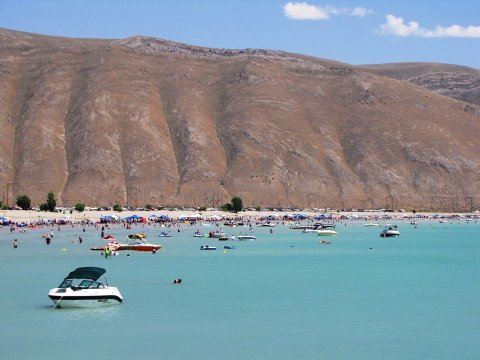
column 246, row 237
column 326, row 230
column 140, row 245
column 208, row 247
column 390, row 231
column 80, row 289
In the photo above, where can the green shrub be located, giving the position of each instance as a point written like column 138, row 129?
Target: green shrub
column 79, row 207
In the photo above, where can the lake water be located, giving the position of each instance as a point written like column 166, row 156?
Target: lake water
column 282, row 296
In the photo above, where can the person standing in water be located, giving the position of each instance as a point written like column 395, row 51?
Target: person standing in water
column 15, row 244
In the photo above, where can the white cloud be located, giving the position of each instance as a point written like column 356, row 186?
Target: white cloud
column 396, row 26
column 305, row 11
column 360, row 11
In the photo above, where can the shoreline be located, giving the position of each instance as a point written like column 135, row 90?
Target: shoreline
column 29, row 216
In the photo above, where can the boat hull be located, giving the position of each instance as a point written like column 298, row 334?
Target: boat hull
column 144, row 247
column 326, row 232
column 246, row 237
column 390, row 234
column 89, row 298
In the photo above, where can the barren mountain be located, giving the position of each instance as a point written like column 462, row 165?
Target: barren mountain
column 143, row 120
column 458, row 82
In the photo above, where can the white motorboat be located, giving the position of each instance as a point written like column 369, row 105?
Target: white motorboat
column 246, row 237
column 326, row 230
column 268, row 224
column 208, row 247
column 390, row 231
column 199, row 234
column 80, row 289
column 371, row 224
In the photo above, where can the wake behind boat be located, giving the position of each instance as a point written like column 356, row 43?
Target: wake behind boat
column 80, row 289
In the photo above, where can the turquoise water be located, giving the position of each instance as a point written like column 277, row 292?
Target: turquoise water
column 283, row 296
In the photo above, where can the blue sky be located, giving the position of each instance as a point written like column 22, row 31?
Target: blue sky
column 355, row 32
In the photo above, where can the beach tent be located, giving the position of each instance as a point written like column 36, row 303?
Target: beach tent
column 214, row 217
column 108, row 217
column 159, row 217
column 4, row 220
column 189, row 217
column 134, row 217
column 299, row 216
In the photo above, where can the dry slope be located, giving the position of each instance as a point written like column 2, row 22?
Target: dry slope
column 143, row 120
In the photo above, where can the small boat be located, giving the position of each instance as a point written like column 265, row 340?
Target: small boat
column 371, row 224
column 208, row 247
column 165, row 234
column 326, row 230
column 229, row 247
column 268, row 224
column 218, row 235
column 137, row 236
column 325, row 242
column 246, row 237
column 140, row 245
column 112, row 246
column 80, row 289
column 223, row 238
column 390, row 231
column 198, row 234
column 301, row 226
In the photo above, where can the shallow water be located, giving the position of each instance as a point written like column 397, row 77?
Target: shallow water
column 283, row 296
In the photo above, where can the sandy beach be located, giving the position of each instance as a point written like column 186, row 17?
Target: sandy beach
column 75, row 216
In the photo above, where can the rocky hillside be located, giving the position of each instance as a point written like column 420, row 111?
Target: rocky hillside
column 459, row 82
column 147, row 121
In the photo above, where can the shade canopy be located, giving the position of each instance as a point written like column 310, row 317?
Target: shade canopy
column 92, row 273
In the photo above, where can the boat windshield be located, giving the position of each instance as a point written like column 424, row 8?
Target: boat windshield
column 65, row 284
column 90, row 284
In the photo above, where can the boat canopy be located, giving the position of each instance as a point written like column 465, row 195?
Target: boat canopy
column 92, row 273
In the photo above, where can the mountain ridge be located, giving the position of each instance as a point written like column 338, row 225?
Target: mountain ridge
column 135, row 121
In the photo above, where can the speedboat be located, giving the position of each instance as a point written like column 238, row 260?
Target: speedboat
column 165, row 234
column 208, row 247
column 80, row 289
column 137, row 236
column 112, row 246
column 371, row 224
column 326, row 230
column 139, row 244
column 199, row 234
column 390, row 231
column 268, row 224
column 217, row 235
column 246, row 237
